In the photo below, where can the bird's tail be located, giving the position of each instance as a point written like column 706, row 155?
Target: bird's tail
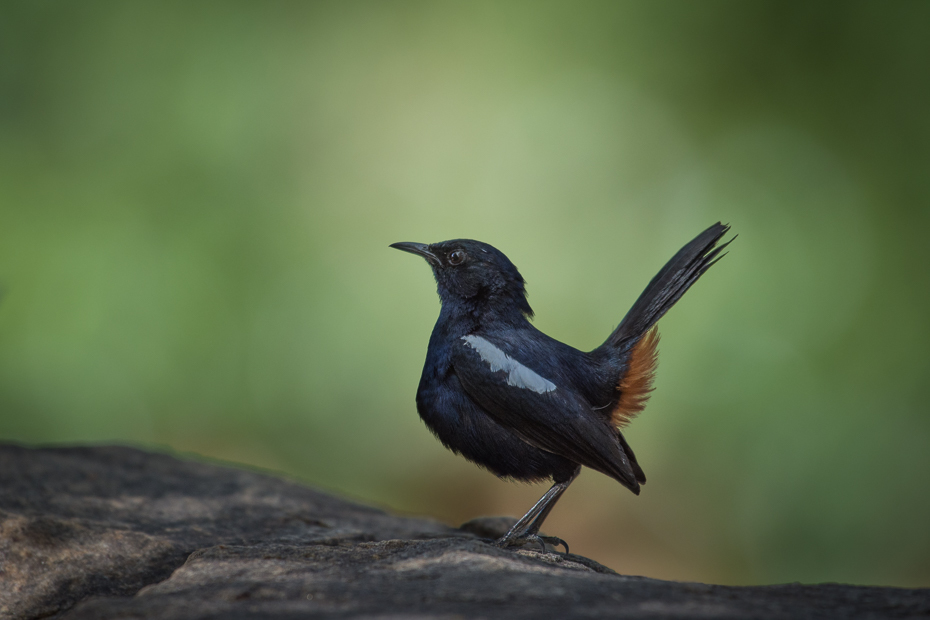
column 667, row 287
column 631, row 348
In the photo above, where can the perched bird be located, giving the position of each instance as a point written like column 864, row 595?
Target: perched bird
column 523, row 405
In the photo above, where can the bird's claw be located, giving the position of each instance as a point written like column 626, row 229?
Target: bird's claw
column 542, row 541
column 554, row 541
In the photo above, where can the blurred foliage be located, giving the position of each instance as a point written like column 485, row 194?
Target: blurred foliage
column 196, row 201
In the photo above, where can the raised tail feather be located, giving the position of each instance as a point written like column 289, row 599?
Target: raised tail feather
column 668, row 286
column 633, row 343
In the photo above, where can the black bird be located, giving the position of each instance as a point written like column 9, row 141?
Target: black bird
column 523, row 405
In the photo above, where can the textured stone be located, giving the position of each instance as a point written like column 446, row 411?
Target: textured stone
column 119, row 533
column 80, row 522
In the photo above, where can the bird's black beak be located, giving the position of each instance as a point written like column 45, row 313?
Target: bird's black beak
column 417, row 248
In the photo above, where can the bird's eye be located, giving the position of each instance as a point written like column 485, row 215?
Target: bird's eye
column 456, row 257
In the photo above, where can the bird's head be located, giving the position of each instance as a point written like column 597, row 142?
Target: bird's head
column 473, row 274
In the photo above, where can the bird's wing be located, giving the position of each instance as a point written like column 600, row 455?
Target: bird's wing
column 548, row 416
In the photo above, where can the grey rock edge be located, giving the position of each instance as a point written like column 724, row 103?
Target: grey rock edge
column 114, row 532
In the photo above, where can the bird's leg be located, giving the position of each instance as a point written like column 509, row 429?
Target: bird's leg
column 527, row 528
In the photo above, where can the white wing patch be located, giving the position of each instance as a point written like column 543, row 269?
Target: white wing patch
column 518, row 375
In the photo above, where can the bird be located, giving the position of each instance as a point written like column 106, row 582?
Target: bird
column 523, row 405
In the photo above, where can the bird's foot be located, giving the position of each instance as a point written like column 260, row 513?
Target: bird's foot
column 524, row 539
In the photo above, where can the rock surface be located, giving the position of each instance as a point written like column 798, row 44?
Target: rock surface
column 115, row 532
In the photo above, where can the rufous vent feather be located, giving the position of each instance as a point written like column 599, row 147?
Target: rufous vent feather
column 635, row 385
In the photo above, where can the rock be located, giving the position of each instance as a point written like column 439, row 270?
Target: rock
column 489, row 527
column 115, row 532
column 81, row 522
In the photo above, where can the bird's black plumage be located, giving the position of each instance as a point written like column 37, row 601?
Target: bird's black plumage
column 508, row 397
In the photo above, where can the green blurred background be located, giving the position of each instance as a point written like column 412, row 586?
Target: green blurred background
column 196, row 201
